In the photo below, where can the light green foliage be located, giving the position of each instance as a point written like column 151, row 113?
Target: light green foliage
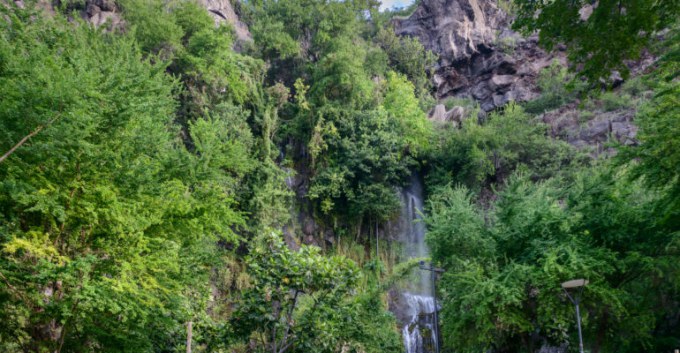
column 361, row 126
column 557, row 88
column 468, row 103
column 109, row 223
column 402, row 106
column 339, row 76
column 153, row 26
column 612, row 101
column 301, row 302
column 503, row 275
column 591, row 41
column 274, row 41
column 292, row 34
column 487, row 153
column 408, row 56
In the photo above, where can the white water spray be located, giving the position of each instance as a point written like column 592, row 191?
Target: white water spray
column 419, row 333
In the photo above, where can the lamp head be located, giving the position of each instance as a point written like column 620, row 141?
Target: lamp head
column 575, row 283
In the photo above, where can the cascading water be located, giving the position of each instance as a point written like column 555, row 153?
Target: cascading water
column 417, row 303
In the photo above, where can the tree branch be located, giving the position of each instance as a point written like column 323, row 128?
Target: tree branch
column 288, row 320
column 23, row 140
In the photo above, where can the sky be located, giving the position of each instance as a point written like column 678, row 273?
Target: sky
column 388, row 4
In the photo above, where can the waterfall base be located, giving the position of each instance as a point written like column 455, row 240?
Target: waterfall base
column 419, row 334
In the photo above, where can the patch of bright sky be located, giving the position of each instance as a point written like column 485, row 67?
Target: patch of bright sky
column 389, row 4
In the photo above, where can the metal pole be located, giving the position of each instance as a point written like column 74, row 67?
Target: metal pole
column 190, row 325
column 578, row 322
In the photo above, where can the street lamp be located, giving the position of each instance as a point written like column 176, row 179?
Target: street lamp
column 434, row 271
column 576, row 283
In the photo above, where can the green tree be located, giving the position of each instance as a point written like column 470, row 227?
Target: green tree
column 109, row 223
column 294, row 297
column 483, row 154
column 586, row 29
column 505, row 265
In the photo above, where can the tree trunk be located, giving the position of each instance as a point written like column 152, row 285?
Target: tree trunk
column 190, row 325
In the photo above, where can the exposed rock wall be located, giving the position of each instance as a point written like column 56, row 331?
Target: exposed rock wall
column 479, row 56
column 222, row 11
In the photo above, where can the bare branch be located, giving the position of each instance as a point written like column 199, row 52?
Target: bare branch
column 23, row 140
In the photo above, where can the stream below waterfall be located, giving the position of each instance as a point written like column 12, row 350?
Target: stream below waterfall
column 416, row 304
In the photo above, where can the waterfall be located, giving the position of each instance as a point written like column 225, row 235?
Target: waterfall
column 419, row 334
column 416, row 303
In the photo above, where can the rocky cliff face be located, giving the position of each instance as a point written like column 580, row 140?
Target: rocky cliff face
column 223, row 12
column 479, row 56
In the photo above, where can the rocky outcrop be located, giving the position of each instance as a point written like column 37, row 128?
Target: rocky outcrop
column 592, row 130
column 454, row 115
column 479, row 56
column 101, row 12
column 223, row 12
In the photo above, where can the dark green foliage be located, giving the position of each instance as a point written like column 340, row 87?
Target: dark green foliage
column 482, row 154
column 144, row 175
column 119, row 212
column 359, row 156
column 502, row 286
column 615, row 31
column 657, row 159
column 301, row 302
column 108, row 221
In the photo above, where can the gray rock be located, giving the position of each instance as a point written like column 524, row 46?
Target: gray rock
column 223, row 12
column 438, row 113
column 479, row 55
column 456, row 115
column 481, row 91
column 501, row 81
column 488, row 105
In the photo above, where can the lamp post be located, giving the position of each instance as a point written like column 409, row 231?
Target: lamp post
column 576, row 283
column 434, row 270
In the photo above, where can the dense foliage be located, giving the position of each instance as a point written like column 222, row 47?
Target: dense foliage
column 154, row 178
column 142, row 169
column 505, row 265
column 599, row 36
column 479, row 155
column 614, row 223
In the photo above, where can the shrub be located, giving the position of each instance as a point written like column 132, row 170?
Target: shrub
column 613, row 101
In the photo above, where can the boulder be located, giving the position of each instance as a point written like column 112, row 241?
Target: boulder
column 223, row 12
column 501, row 81
column 455, row 115
column 438, row 113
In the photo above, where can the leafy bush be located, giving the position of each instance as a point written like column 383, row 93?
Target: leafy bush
column 409, row 57
column 109, row 223
column 553, row 84
column 505, row 265
column 612, row 101
column 468, row 103
column 478, row 154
